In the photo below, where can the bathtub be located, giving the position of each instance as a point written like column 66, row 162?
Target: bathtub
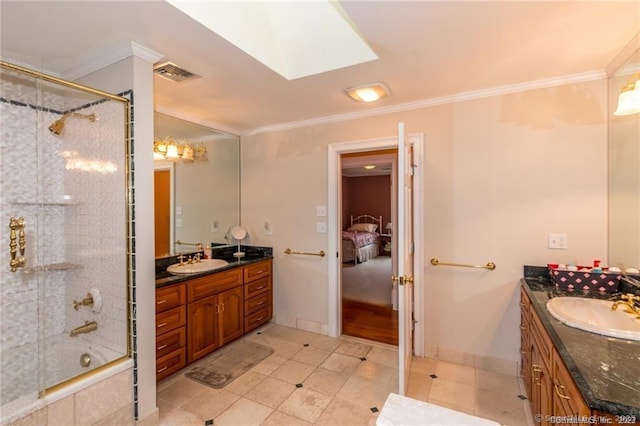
column 25, row 387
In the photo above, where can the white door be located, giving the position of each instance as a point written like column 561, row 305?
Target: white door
column 404, row 277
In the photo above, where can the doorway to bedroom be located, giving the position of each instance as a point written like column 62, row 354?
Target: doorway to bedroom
column 369, row 301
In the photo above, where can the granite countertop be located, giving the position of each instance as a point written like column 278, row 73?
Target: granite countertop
column 252, row 255
column 605, row 369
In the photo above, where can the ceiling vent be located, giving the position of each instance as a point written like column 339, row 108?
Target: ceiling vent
column 173, row 72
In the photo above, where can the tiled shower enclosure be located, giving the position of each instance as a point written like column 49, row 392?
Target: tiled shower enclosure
column 64, row 259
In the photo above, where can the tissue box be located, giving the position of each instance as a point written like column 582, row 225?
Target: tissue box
column 583, row 280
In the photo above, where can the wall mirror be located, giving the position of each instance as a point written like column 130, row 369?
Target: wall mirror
column 195, row 202
column 624, row 173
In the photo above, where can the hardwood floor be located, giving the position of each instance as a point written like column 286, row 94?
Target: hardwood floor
column 373, row 322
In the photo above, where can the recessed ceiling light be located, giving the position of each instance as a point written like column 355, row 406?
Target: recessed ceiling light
column 368, row 92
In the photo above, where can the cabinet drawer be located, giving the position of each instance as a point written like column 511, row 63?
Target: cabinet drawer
column 169, row 342
column 257, row 319
column 255, row 288
column 257, row 271
column 256, row 303
column 169, row 320
column 212, row 284
column 170, row 363
column 170, row 297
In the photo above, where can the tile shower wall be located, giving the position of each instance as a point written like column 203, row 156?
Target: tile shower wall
column 70, row 190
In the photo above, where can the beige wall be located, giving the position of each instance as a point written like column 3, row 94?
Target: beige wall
column 501, row 173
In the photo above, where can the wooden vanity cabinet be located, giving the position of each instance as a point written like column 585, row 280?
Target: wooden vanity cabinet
column 550, row 388
column 214, row 312
column 170, row 330
column 196, row 317
column 258, row 290
column 525, row 337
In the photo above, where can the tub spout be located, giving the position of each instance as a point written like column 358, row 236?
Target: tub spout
column 88, row 327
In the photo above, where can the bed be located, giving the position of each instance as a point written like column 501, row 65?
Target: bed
column 360, row 239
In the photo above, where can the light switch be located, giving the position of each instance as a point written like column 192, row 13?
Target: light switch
column 321, row 211
column 268, row 228
column 214, row 226
column 321, row 227
column 178, row 222
column 178, row 210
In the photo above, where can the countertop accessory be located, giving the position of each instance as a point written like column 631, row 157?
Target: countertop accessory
column 321, row 253
column 490, row 265
column 238, row 233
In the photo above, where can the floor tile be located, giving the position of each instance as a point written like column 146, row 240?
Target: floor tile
column 354, row 349
column 456, row 373
column 388, row 357
column 341, row 363
column 458, row 394
column 325, row 342
column 278, row 418
column 305, row 404
column 337, row 386
column 210, row 403
column 293, row 372
column 311, row 356
column 344, row 413
column 179, row 392
column 243, row 413
column 245, row 383
column 271, row 392
column 325, row 381
column 179, row 417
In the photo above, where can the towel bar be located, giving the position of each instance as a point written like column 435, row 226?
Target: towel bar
column 490, row 266
column 321, row 253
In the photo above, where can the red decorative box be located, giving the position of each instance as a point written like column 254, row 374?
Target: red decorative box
column 585, row 280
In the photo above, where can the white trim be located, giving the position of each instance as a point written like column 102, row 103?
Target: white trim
column 459, row 97
column 334, row 207
column 131, row 49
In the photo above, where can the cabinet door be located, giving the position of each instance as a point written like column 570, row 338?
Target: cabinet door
column 541, row 384
column 202, row 327
column 231, row 314
column 567, row 399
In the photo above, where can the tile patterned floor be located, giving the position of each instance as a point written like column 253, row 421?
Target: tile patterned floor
column 312, row 379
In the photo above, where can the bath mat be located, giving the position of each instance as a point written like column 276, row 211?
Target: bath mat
column 227, row 364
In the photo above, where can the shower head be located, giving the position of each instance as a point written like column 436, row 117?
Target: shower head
column 57, row 126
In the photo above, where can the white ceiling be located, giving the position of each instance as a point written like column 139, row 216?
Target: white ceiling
column 427, row 50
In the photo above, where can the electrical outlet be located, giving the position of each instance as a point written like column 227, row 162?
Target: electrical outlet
column 215, row 226
column 268, row 228
column 558, row 241
column 321, row 227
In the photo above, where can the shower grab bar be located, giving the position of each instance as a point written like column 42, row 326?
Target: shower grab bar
column 321, row 253
column 490, row 265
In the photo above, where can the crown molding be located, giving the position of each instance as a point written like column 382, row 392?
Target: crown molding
column 132, row 49
column 425, row 103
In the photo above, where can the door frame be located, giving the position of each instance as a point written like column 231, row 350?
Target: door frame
column 334, row 207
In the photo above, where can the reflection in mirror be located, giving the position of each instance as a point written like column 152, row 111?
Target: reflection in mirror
column 196, row 202
column 624, row 173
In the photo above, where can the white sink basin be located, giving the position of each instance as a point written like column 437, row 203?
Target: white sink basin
column 196, row 268
column 596, row 316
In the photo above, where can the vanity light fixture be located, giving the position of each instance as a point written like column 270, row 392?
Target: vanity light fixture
column 169, row 149
column 370, row 167
column 629, row 99
column 368, row 92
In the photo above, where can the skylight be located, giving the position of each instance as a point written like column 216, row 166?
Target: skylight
column 294, row 38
